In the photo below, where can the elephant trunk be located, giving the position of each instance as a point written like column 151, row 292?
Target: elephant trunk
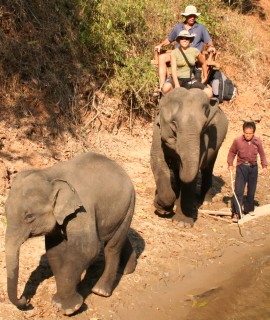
column 12, row 265
column 189, row 153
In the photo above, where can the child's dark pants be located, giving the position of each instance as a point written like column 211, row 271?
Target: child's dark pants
column 245, row 174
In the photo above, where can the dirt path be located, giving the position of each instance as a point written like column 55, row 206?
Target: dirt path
column 174, row 265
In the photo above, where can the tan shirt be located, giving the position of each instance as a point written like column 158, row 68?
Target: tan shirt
column 183, row 70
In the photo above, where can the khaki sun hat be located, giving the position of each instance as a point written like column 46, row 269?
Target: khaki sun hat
column 186, row 34
column 189, row 11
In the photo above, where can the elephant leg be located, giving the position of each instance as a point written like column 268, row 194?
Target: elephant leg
column 206, row 183
column 112, row 253
column 67, row 263
column 165, row 194
column 128, row 259
column 186, row 210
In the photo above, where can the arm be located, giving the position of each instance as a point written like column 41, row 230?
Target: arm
column 263, row 158
column 163, row 43
column 174, row 71
column 202, row 60
column 231, row 155
column 210, row 47
column 208, row 41
column 171, row 37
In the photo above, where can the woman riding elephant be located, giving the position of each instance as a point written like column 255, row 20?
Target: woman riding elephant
column 183, row 60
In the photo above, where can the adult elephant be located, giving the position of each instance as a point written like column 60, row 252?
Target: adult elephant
column 78, row 205
column 188, row 132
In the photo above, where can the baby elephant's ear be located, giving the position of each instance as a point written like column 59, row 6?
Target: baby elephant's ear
column 65, row 200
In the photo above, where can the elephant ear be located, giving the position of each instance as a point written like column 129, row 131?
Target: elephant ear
column 65, row 200
column 210, row 111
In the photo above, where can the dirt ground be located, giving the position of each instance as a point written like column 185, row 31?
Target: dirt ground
column 178, row 269
column 175, row 266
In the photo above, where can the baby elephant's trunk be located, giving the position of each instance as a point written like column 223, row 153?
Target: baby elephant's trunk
column 12, row 265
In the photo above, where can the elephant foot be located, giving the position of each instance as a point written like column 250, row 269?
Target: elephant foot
column 68, row 305
column 163, row 210
column 69, row 312
column 183, row 222
column 102, row 290
column 56, row 301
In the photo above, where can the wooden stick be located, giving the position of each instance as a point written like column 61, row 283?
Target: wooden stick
column 217, row 218
column 216, row 212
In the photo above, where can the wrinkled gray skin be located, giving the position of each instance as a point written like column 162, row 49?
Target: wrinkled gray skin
column 188, row 132
column 77, row 205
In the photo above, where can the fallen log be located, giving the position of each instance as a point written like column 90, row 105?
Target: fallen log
column 217, row 218
column 216, row 212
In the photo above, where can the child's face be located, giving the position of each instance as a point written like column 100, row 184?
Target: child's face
column 248, row 134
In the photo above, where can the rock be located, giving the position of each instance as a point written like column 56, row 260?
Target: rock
column 256, row 117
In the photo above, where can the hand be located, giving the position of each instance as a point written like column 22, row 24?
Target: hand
column 230, row 168
column 265, row 171
column 211, row 49
column 158, row 48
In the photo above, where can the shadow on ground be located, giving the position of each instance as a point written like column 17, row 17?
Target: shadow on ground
column 93, row 273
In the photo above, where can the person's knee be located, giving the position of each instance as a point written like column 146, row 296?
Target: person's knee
column 208, row 92
column 166, row 87
column 164, row 58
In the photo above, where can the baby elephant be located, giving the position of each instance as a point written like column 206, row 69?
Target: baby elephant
column 78, row 205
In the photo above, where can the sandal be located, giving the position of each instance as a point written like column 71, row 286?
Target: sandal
column 235, row 218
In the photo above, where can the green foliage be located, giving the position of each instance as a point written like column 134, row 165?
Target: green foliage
column 120, row 38
column 58, row 53
column 133, row 82
column 239, row 41
column 116, row 35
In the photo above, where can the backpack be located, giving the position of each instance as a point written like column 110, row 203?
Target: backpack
column 223, row 88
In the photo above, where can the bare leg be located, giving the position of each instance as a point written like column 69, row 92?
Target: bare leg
column 208, row 91
column 162, row 67
column 167, row 87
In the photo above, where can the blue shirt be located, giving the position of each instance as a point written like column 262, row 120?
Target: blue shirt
column 201, row 34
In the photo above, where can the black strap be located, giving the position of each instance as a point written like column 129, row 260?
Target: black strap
column 188, row 63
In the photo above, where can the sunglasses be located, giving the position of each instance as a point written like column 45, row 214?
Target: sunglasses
column 185, row 38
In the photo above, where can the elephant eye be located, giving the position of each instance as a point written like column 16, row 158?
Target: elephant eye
column 30, row 217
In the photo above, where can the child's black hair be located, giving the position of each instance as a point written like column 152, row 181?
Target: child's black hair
column 249, row 124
